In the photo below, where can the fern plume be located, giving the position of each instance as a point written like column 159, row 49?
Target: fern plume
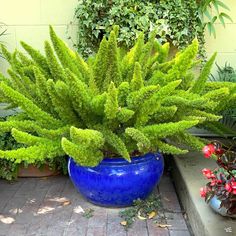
column 110, row 105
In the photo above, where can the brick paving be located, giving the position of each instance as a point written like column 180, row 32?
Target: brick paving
column 52, row 207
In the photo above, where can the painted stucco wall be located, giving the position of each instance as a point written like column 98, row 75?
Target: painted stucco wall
column 28, row 20
column 225, row 42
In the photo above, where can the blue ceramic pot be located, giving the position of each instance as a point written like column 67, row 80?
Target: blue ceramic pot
column 215, row 205
column 116, row 182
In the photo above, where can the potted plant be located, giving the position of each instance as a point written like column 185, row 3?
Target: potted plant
column 10, row 170
column 220, row 192
column 112, row 106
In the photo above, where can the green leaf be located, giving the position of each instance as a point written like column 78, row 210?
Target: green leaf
column 207, row 14
column 226, row 16
column 223, row 5
column 216, row 6
column 214, row 19
column 209, row 27
column 213, row 31
column 221, row 18
column 143, row 142
column 116, row 142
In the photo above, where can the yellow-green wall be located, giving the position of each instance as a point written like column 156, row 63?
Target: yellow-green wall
column 225, row 42
column 28, row 20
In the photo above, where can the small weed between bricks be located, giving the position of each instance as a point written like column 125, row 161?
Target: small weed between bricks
column 147, row 209
column 88, row 213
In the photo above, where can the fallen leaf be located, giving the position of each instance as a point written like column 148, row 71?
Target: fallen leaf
column 78, row 210
column 166, row 199
column 141, row 217
column 163, row 225
column 152, row 215
column 124, row 223
column 66, row 203
column 6, row 219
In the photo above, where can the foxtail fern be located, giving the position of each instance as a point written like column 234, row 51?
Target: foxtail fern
column 112, row 105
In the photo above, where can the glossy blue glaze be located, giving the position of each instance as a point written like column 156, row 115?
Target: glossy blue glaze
column 116, row 182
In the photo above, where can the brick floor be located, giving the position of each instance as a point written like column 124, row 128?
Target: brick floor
column 51, row 206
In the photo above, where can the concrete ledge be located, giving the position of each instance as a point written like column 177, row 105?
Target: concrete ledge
column 188, row 180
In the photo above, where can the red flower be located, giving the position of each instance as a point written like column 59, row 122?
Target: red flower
column 228, row 187
column 208, row 150
column 214, row 182
column 233, row 185
column 203, row 191
column 208, row 173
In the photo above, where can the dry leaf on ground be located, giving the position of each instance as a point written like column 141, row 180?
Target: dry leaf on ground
column 163, row 225
column 66, row 203
column 141, row 217
column 78, row 210
column 166, row 199
column 124, row 223
column 152, row 214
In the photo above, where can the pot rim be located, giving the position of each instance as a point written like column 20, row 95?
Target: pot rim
column 134, row 160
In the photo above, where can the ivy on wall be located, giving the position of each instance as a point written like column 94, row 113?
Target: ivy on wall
column 177, row 21
column 97, row 18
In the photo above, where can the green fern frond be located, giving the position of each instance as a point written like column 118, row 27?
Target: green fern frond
column 111, row 105
column 200, row 82
column 143, row 143
column 170, row 149
column 114, row 104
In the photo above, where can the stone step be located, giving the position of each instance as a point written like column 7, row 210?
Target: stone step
column 188, row 180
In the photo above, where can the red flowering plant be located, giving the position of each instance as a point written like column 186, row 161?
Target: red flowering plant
column 222, row 180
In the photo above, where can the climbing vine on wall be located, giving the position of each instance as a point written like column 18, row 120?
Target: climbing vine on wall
column 177, row 21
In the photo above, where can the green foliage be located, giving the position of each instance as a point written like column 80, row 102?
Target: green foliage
column 2, row 33
column 212, row 10
column 137, row 81
column 85, row 146
column 88, row 213
column 143, row 143
column 199, row 84
column 96, row 19
column 224, row 74
column 9, row 168
column 227, row 74
column 141, row 210
column 113, row 69
column 178, row 22
column 113, row 105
